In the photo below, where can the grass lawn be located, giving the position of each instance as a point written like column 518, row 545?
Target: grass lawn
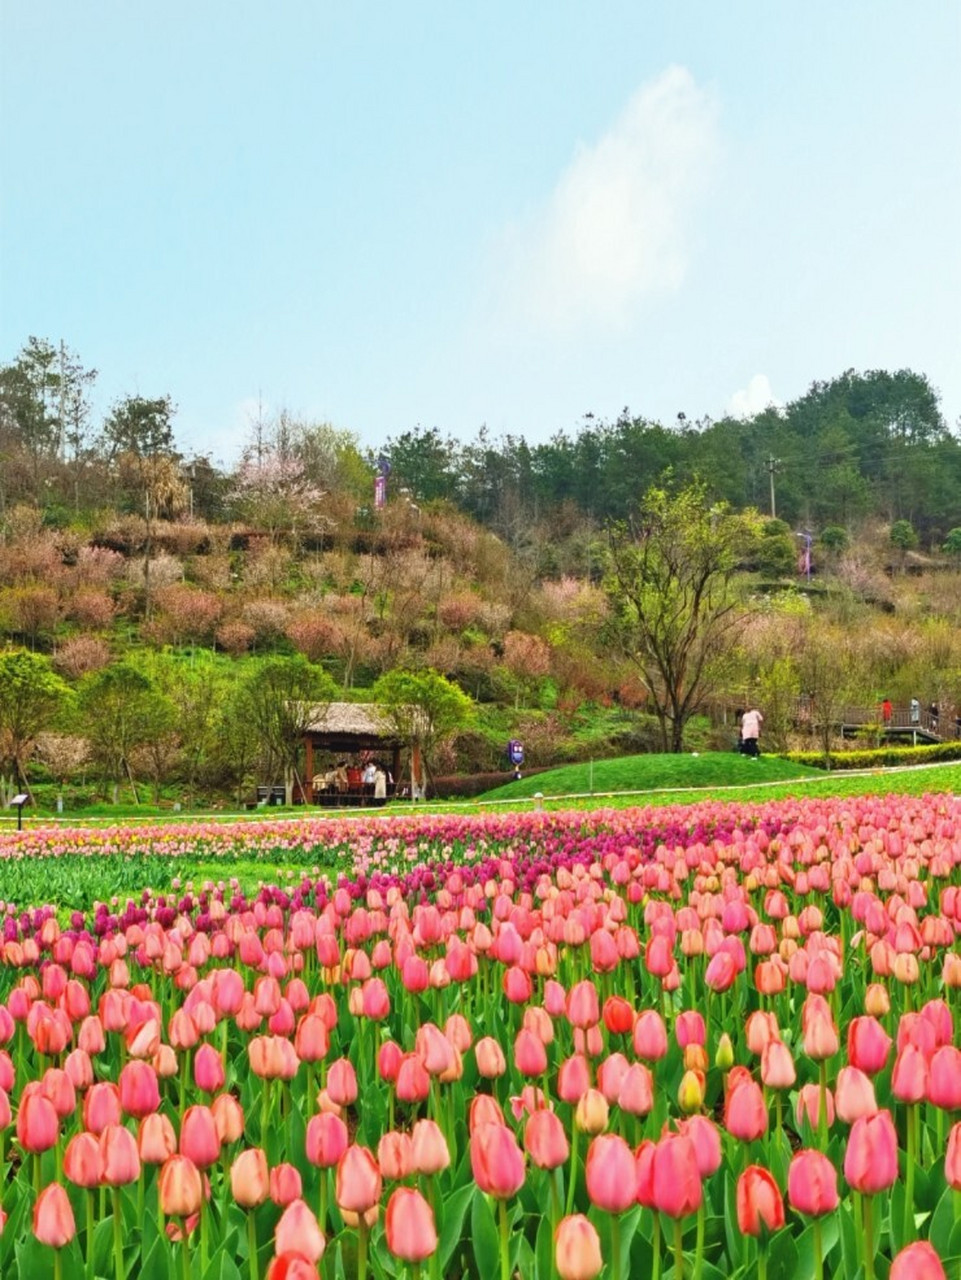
column 684, row 779
column 655, row 773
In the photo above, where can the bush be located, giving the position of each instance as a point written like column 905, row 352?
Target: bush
column 878, row 758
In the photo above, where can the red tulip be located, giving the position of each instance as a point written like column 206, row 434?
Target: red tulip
column 53, row 1222
column 944, row 1078
column 577, row 1249
column 298, row 1232
column 812, row 1183
column 395, row 1155
column 199, row 1139
column 530, row 1055
column 918, row 1261
column 573, row 1079
column 868, row 1045
column 409, row 1226
column 545, row 1140
column 871, row 1157
column 952, row 1159
column 759, row 1202
column 650, row 1036
column 854, row 1095
column 490, row 1059
column 37, row 1124
column 291, row 1266
column 610, row 1174
column 704, row 1134
column 327, row 1139
column 284, row 1185
column 209, row 1073
column 618, row 1015
column 249, row 1178
column 745, row 1113
column 429, row 1148
column 342, row 1082
column 496, row 1160
column 139, row 1089
column 358, row 1183
column 909, row 1079
column 156, row 1140
column 180, row 1187
column 81, row 1160
column 583, row 1009
column 675, row 1182
column 119, row 1157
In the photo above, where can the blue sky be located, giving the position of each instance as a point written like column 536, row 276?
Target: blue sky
column 392, row 215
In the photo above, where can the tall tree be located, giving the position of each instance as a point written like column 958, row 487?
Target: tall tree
column 674, row 605
column 32, row 695
column 424, row 707
column 139, row 438
column 282, row 697
column 120, row 709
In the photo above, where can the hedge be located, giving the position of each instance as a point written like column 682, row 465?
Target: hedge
column 877, row 757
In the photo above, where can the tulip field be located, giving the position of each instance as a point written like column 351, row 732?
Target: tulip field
column 702, row 1041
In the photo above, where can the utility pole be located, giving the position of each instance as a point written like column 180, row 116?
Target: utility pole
column 772, row 466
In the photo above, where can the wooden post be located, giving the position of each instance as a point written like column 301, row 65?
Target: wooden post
column 308, row 782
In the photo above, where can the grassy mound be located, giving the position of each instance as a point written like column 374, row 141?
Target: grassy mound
column 654, row 773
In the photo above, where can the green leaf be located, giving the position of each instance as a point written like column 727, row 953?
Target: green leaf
column 543, row 1251
column 220, row 1267
column 484, row 1236
column 942, row 1223
column 452, row 1222
column 783, row 1257
column 732, row 1233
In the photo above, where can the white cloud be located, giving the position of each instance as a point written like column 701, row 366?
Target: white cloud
column 753, row 399
column 614, row 229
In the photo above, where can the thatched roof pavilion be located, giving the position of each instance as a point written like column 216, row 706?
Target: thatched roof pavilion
column 348, row 730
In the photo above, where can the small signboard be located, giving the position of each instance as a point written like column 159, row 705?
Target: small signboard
column 515, row 752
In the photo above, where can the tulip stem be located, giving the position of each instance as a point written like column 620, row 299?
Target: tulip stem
column 90, row 1227
column 322, row 1210
column 570, row 1189
column 57, row 1265
column 762, row 1262
column 912, row 1117
column 361, row 1249
column 252, row 1246
column 505, row 1252
column 185, row 1252
column 117, row 1236
column 656, row 1247
column 679, row 1250
column 699, row 1245
column 818, row 1251
column 823, row 1103
column 615, row 1247
column 866, row 1208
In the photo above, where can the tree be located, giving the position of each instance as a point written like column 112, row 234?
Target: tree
column 282, row 698
column 121, row 710
column 673, row 602
column 904, row 538
column 423, row 707
column 139, row 439
column 32, row 695
column 952, row 543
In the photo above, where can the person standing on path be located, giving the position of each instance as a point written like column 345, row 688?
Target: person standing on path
column 751, row 723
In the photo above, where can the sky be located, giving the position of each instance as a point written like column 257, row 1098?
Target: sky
column 391, row 216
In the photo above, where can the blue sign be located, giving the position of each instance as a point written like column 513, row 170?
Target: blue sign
column 515, row 751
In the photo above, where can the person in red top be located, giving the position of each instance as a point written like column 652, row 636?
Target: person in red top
column 886, row 710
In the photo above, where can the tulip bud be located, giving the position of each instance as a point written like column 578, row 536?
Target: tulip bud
column 690, row 1093
column 724, row 1054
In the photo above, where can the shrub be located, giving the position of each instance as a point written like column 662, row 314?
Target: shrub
column 878, row 758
